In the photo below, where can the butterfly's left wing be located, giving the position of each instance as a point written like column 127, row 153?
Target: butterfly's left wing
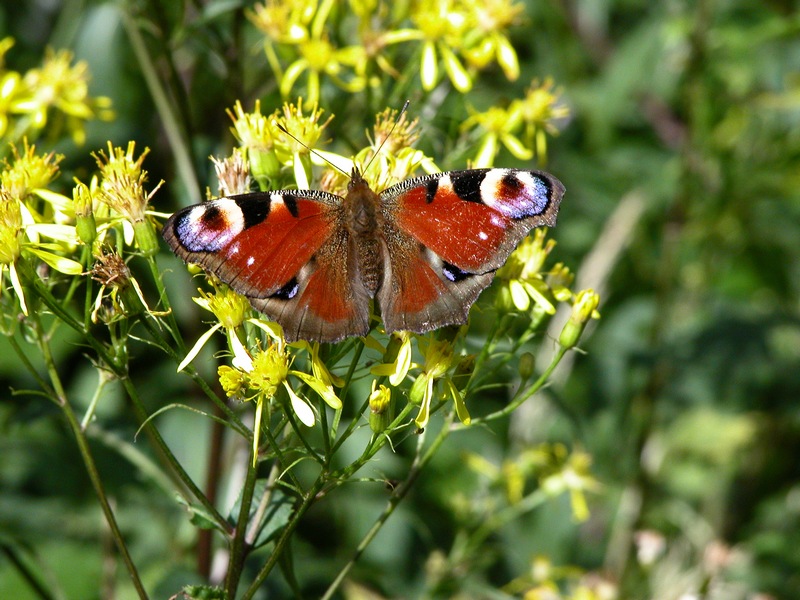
column 446, row 235
column 286, row 251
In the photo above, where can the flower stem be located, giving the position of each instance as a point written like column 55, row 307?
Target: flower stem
column 239, row 546
column 88, row 460
column 399, row 492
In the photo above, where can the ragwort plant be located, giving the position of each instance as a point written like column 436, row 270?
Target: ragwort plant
column 80, row 261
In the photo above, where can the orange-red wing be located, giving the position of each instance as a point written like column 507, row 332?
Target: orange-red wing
column 256, row 243
column 473, row 219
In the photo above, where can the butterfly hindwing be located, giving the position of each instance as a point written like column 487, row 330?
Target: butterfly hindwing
column 420, row 292
column 327, row 301
column 450, row 232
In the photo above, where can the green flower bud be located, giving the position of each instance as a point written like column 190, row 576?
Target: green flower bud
column 264, row 167
column 417, row 391
column 527, row 364
column 145, row 236
column 85, row 225
column 583, row 309
column 381, row 408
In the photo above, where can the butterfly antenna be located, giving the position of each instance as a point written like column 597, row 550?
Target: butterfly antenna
column 307, row 147
column 391, row 131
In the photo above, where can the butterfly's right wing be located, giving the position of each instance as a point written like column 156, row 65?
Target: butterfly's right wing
column 287, row 252
column 447, row 234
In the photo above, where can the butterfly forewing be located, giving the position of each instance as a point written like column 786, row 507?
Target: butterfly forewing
column 474, row 219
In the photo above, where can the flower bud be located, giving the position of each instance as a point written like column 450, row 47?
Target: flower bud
column 583, row 309
column 417, row 391
column 264, row 167
column 527, row 365
column 85, row 225
column 145, row 236
column 381, row 408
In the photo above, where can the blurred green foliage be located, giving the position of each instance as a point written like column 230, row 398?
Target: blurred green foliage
column 681, row 161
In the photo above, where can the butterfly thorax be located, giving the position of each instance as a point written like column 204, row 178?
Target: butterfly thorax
column 364, row 222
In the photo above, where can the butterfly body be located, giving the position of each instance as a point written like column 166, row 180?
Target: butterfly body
column 312, row 261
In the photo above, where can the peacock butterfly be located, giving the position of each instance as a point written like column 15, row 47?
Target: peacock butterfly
column 424, row 248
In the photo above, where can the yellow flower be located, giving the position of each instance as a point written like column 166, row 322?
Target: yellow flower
column 301, row 27
column 285, row 22
column 230, row 309
column 29, row 172
column 393, row 131
column 21, row 224
column 10, row 228
column 569, row 472
column 11, row 243
column 397, row 358
column 265, row 373
column 269, row 371
column 524, row 277
column 499, row 126
column 62, row 86
column 122, row 189
column 381, row 411
column 256, row 134
column 488, row 39
column 444, row 25
column 304, row 132
column 540, row 111
column 438, row 355
column 233, row 381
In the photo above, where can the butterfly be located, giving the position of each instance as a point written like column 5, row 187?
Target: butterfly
column 424, row 249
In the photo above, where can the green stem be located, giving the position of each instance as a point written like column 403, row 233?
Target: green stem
column 40, row 588
column 97, row 483
column 535, row 387
column 396, row 497
column 190, row 370
column 121, row 372
column 166, row 455
column 239, row 546
column 86, row 454
column 263, row 504
column 172, row 129
column 87, row 417
column 283, row 540
column 164, row 299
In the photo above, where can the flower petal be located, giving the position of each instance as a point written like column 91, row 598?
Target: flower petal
column 241, row 358
column 455, row 70
column 325, row 391
column 17, row 285
column 429, row 70
column 59, row 263
column 197, row 347
column 300, row 407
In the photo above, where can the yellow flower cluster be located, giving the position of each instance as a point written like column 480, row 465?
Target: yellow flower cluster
column 55, row 95
column 462, row 36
